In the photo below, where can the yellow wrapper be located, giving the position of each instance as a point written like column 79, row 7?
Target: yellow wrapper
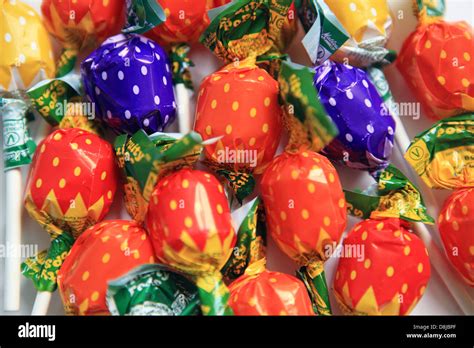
column 26, row 55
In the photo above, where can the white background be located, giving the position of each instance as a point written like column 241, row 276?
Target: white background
column 437, row 299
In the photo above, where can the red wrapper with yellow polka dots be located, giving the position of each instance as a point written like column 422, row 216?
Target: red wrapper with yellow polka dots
column 190, row 226
column 71, row 186
column 102, row 253
column 385, row 272
column 437, row 63
column 455, row 227
column 185, row 20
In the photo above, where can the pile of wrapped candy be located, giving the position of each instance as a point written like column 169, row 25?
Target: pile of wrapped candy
column 259, row 163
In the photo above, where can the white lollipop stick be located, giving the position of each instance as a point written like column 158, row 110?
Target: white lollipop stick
column 41, row 305
column 183, row 97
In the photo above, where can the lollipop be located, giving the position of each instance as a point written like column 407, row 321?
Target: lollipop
column 81, row 25
column 129, row 81
column 443, row 156
column 71, row 186
column 393, row 274
column 366, row 127
column 436, row 62
column 103, row 252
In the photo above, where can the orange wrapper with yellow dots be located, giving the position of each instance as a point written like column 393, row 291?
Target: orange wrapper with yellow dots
column 385, row 270
column 455, row 227
column 190, row 226
column 71, row 186
column 290, row 186
column 436, row 61
column 102, row 253
column 27, row 56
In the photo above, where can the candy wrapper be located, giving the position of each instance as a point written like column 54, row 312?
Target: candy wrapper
column 436, row 62
column 391, row 276
column 71, row 185
column 443, row 157
column 27, row 56
column 102, row 253
column 152, row 290
column 367, row 281
column 250, row 136
column 129, row 81
column 366, row 127
column 81, row 25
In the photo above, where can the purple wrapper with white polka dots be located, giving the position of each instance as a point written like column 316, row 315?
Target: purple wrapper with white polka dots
column 129, row 81
column 366, row 127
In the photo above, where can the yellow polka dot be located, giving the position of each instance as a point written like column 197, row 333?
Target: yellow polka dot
column 106, row 258
column 283, row 215
column 185, row 183
column 305, row 214
column 390, row 271
column 406, row 250
column 252, row 302
column 74, row 146
column 465, row 210
column 294, row 174
column 219, row 208
column 228, row 129
column 364, row 235
column 311, row 187
column 105, row 3
column 326, row 221
column 380, row 226
column 226, row 87
column 428, row 44
column 105, row 239
column 39, row 182
column 62, row 183
column 465, row 82
column 353, row 275
column 404, row 288
column 57, row 136
column 109, row 194
column 103, row 176
column 143, row 236
column 441, row 80
column 443, row 54
column 455, row 226
column 188, row 222
column 221, row 190
column 260, row 78
column 217, row 78
column 235, row 106
column 467, row 56
column 341, row 203
column 88, row 141
column 208, row 130
column 95, row 296
column 467, row 35
column 331, row 177
column 253, row 112
column 367, row 263
column 273, row 280
column 252, row 141
column 56, row 161
column 241, row 76
column 422, row 290
column 407, row 237
column 136, row 254
column 265, row 128
column 125, row 227
column 173, row 205
column 85, row 275
column 43, row 148
column 214, row 104
column 471, row 250
column 77, row 171
column 267, row 101
column 420, row 267
column 441, row 218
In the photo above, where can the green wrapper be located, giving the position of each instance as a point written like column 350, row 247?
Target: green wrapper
column 395, row 197
column 143, row 15
column 181, row 64
column 152, row 290
column 432, row 8
column 314, row 278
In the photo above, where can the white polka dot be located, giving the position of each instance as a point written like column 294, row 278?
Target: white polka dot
column 370, row 128
column 374, row 11
column 174, row 104
column 104, row 75
column 338, row 79
column 146, row 122
column 137, row 49
column 127, row 114
column 390, row 130
column 34, row 46
column 31, row 13
column 109, row 114
column 157, row 56
column 136, row 90
column 143, row 39
column 22, row 20
column 365, row 83
column 167, row 117
column 332, row 101
column 97, row 90
column 368, row 103
column 352, row 6
column 144, row 70
column 8, row 37
column 151, row 44
column 157, row 100
column 106, row 52
column 167, row 68
column 349, row 137
column 120, row 75
column 349, row 66
column 165, row 81
column 22, row 58
column 349, row 94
